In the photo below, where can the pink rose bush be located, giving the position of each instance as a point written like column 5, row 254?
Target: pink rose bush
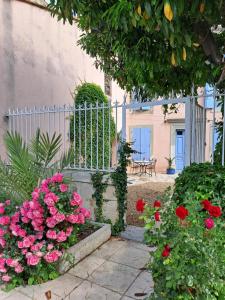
column 34, row 236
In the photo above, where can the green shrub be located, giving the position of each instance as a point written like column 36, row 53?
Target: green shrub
column 96, row 137
column 189, row 259
column 206, row 180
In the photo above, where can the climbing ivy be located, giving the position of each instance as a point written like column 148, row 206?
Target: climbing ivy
column 119, row 178
column 99, row 187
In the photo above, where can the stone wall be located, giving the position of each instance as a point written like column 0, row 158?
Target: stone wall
column 83, row 185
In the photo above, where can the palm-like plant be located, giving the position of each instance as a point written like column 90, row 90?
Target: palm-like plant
column 29, row 164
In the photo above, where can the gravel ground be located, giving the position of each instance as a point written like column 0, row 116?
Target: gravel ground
column 149, row 191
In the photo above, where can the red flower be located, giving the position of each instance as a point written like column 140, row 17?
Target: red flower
column 140, row 205
column 215, row 211
column 209, row 223
column 206, row 204
column 182, row 212
column 166, row 251
column 157, row 204
column 157, row 216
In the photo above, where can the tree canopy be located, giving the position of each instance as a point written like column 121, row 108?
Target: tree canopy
column 154, row 46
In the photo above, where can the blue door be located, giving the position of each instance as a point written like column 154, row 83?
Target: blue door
column 216, row 138
column 179, row 156
column 141, row 138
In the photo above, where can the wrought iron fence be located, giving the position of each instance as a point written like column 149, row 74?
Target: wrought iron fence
column 92, row 131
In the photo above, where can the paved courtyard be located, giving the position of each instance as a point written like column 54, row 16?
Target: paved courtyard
column 115, row 271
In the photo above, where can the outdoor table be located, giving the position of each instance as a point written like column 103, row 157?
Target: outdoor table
column 143, row 166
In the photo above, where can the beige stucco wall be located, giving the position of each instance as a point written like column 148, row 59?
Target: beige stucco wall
column 40, row 62
column 164, row 131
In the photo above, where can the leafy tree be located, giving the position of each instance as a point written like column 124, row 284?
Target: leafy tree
column 154, row 46
column 94, row 131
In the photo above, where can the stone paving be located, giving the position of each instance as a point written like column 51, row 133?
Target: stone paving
column 115, row 271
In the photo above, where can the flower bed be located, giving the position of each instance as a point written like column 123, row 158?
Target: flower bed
column 34, row 235
column 189, row 259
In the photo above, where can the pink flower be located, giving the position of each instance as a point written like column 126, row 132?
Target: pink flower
column 77, row 200
column 2, row 261
column 7, row 202
column 19, row 268
column 35, row 194
column 209, row 223
column 2, row 232
column 6, row 278
column 53, row 256
column 53, row 210
column 2, row 242
column 2, row 269
column 58, row 177
column 50, row 247
column 22, row 232
column 85, row 212
column 25, row 220
column 15, row 218
column 69, row 230
column 59, row 217
column 63, row 187
column 50, row 199
column 51, row 222
column 39, row 235
column 2, row 209
column 26, row 242
column 5, row 220
column 73, row 219
column 11, row 262
column 20, row 244
column 61, row 237
column 81, row 219
column 33, row 260
column 51, row 234
column 39, row 254
column 24, row 251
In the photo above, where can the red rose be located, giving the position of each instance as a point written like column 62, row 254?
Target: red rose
column 157, row 216
column 182, row 212
column 157, row 204
column 206, row 204
column 215, row 211
column 140, row 205
column 209, row 223
column 166, row 251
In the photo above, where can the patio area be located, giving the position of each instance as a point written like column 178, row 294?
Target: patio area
column 114, row 271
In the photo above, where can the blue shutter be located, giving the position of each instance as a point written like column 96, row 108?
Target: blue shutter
column 145, row 143
column 136, row 139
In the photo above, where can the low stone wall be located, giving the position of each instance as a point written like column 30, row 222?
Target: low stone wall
column 83, row 185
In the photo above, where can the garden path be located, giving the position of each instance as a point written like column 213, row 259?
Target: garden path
column 115, row 271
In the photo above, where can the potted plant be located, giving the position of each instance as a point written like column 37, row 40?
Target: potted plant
column 170, row 170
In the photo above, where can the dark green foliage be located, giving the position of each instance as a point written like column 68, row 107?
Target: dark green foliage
column 99, row 137
column 29, row 164
column 134, row 42
column 119, row 178
column 100, row 188
column 206, row 180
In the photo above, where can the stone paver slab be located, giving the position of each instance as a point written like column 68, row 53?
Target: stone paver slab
column 114, row 276
column 87, row 266
column 127, row 298
column 91, row 291
column 15, row 296
column 141, row 246
column 131, row 256
column 61, row 287
column 134, row 233
column 109, row 248
column 143, row 284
